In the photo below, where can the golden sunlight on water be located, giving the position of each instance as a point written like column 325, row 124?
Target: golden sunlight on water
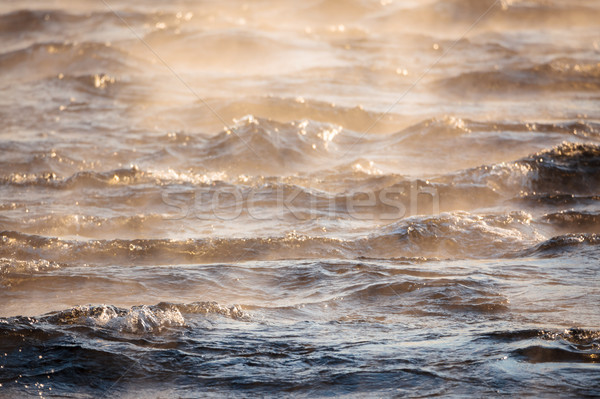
column 277, row 198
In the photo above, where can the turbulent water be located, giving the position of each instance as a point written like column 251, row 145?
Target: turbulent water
column 282, row 198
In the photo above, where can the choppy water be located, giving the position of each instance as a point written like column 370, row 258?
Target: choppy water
column 318, row 198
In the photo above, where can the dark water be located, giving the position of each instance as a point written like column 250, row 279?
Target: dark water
column 320, row 198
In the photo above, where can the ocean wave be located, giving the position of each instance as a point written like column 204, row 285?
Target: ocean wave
column 565, row 175
column 89, row 225
column 579, row 221
column 557, row 200
column 569, row 168
column 142, row 319
column 565, row 245
column 430, row 130
column 430, row 296
column 11, row 267
column 432, row 15
column 66, row 58
column 280, row 108
column 85, row 178
column 138, row 319
column 323, row 152
column 31, row 20
column 580, row 128
column 559, row 75
column 545, row 354
column 573, row 345
column 261, row 147
column 449, row 127
column 20, row 160
column 261, row 141
column 166, row 251
column 458, row 234
column 264, row 147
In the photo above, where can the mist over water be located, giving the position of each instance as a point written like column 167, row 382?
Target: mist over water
column 319, row 198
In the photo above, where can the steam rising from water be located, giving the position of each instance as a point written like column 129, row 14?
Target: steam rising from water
column 361, row 198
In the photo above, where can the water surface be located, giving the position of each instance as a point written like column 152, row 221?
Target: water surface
column 318, row 198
